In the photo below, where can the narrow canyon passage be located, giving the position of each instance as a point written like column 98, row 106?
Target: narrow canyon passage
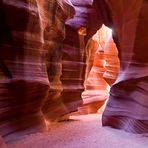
column 73, row 74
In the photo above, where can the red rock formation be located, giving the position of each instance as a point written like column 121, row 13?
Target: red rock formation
column 73, row 58
column 54, row 107
column 27, row 30
column 102, row 62
column 2, row 143
column 128, row 102
column 24, row 42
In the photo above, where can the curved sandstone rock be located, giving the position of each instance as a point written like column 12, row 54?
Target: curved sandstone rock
column 54, row 107
column 74, row 56
column 27, row 28
column 102, row 62
column 128, row 102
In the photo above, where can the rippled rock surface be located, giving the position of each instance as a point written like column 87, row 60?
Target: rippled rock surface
column 27, row 30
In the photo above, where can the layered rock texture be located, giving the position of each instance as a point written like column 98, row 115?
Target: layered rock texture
column 42, row 75
column 53, row 107
column 78, row 30
column 66, row 62
column 37, row 83
column 102, row 62
column 29, row 30
column 128, row 102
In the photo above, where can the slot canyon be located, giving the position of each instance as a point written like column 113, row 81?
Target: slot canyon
column 73, row 73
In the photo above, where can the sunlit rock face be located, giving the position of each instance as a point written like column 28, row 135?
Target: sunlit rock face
column 102, row 62
column 128, row 102
column 78, row 30
column 24, row 81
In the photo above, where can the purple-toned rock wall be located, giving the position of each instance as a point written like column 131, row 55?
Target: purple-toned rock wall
column 78, row 30
column 28, row 31
column 127, row 107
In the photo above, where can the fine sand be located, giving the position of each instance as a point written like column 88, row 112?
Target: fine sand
column 84, row 132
